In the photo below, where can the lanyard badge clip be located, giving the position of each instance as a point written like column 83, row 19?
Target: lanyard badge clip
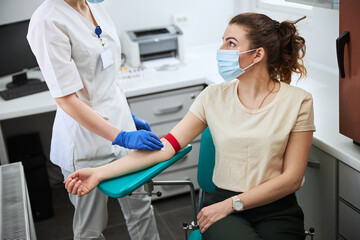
column 98, row 32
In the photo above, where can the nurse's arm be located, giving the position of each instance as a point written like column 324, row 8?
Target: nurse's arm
column 87, row 117
column 84, row 180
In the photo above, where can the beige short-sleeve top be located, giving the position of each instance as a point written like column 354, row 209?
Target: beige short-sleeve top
column 250, row 144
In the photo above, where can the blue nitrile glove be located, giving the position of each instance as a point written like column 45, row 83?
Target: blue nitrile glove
column 138, row 140
column 140, row 123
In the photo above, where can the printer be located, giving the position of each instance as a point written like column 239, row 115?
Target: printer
column 154, row 43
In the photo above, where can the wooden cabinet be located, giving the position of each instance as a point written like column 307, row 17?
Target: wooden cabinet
column 348, row 53
column 317, row 197
column 163, row 110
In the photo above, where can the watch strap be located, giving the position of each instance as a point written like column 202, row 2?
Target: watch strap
column 234, row 198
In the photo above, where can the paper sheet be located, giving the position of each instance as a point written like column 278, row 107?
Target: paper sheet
column 158, row 63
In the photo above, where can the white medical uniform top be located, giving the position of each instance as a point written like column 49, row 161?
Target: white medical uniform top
column 68, row 53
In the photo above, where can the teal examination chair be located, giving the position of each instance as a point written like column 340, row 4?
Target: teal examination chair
column 204, row 177
column 125, row 185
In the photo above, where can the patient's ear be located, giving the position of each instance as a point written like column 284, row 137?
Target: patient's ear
column 259, row 55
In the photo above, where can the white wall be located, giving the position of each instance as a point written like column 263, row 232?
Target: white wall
column 17, row 10
column 322, row 38
column 206, row 19
column 320, row 30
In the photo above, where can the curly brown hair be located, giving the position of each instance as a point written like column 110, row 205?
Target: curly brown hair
column 284, row 47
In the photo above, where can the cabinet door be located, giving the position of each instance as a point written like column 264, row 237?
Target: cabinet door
column 349, row 222
column 349, row 85
column 349, row 180
column 349, row 202
column 317, row 196
column 163, row 107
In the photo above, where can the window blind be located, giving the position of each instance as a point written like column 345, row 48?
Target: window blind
column 332, row 4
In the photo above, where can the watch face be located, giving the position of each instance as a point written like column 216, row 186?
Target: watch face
column 238, row 206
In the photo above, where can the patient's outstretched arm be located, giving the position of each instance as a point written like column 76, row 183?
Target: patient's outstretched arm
column 84, row 180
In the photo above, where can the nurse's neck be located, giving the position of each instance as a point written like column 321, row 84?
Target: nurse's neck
column 78, row 5
column 83, row 9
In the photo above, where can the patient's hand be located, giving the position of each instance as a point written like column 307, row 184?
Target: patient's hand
column 82, row 181
column 213, row 213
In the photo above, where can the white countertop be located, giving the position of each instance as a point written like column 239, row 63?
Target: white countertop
column 200, row 68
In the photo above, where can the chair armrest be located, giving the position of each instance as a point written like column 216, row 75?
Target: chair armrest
column 124, row 185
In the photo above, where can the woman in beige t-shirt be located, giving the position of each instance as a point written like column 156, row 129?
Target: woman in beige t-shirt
column 262, row 130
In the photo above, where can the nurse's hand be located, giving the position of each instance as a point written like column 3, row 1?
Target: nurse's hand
column 82, row 181
column 141, row 123
column 138, row 140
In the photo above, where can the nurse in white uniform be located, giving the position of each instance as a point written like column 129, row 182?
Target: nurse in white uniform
column 78, row 51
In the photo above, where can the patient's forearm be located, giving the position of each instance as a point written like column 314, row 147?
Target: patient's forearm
column 135, row 161
column 185, row 131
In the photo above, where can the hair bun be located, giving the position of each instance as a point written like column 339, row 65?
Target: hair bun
column 277, row 24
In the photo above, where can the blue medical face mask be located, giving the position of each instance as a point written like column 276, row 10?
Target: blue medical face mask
column 228, row 63
column 95, row 1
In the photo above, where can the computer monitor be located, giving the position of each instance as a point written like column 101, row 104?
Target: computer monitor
column 17, row 57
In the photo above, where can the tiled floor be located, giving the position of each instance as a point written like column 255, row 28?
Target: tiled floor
column 170, row 213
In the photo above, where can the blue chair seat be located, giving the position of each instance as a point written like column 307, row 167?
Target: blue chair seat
column 124, row 185
column 195, row 235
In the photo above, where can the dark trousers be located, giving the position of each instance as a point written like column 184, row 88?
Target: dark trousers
column 280, row 220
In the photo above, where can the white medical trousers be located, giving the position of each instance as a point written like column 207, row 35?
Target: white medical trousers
column 90, row 216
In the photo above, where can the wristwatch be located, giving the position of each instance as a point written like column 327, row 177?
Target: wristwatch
column 237, row 205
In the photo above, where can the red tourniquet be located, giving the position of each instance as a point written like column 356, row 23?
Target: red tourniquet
column 174, row 143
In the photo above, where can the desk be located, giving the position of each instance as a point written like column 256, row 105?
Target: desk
column 200, row 67
column 20, row 107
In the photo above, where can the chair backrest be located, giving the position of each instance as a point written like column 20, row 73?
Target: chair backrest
column 206, row 162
